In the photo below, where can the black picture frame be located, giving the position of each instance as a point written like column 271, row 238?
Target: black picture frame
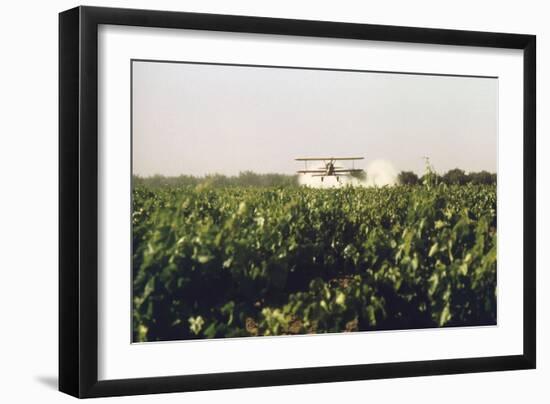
column 78, row 200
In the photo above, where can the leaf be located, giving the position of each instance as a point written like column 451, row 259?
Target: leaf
column 340, row 299
column 434, row 281
column 445, row 315
column 433, row 250
column 371, row 315
column 203, row 259
column 439, row 224
column 149, row 288
column 210, row 331
column 195, row 324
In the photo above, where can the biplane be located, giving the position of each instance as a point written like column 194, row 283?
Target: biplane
column 329, row 169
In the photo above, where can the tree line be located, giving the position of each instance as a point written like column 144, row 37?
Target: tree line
column 455, row 176
column 245, row 178
column 252, row 179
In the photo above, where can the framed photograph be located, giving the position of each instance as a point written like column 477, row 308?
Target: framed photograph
column 249, row 201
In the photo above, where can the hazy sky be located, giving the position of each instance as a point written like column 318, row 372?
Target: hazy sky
column 200, row 119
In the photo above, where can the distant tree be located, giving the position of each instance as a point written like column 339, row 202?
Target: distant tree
column 455, row 177
column 249, row 178
column 216, row 180
column 407, row 178
column 482, row 177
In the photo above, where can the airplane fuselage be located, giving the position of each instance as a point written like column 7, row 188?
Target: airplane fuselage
column 330, row 169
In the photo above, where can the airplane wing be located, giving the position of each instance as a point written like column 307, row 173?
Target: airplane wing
column 349, row 170
column 311, row 171
column 347, row 158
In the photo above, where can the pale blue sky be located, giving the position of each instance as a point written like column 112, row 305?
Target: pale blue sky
column 200, row 119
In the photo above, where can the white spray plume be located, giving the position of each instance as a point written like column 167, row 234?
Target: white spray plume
column 379, row 173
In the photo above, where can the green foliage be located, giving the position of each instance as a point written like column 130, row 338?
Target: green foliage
column 244, row 261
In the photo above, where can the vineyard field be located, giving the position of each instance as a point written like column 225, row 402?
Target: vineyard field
column 218, row 262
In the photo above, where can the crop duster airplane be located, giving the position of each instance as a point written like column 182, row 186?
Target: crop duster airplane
column 329, row 169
